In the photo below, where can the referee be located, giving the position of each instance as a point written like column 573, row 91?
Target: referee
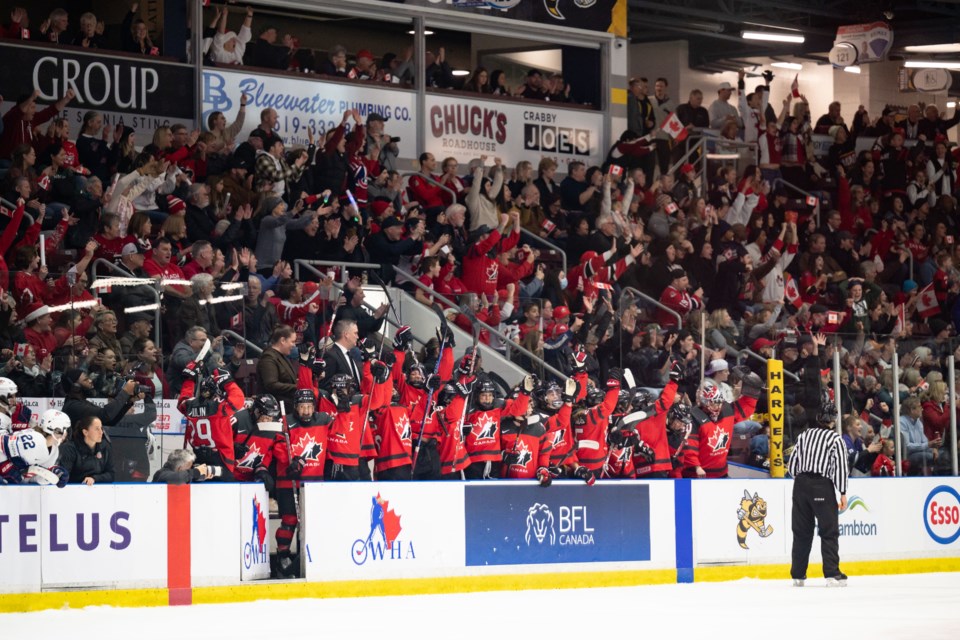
column 818, row 466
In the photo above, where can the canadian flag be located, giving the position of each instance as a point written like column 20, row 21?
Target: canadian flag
column 44, row 183
column 795, row 86
column 791, row 291
column 901, row 324
column 548, row 225
column 236, row 321
column 927, row 304
column 674, row 128
column 4, row 211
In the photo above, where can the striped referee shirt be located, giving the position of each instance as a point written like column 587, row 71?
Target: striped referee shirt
column 822, row 452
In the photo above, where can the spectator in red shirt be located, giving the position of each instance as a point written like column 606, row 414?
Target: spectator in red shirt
column 422, row 187
column 676, row 297
column 20, row 122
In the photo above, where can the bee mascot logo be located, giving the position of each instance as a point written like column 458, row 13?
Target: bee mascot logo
column 752, row 513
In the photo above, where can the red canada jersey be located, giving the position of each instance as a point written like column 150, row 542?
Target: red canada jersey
column 708, row 444
column 482, row 429
column 526, row 448
column 426, row 193
column 560, row 434
column 619, row 463
column 416, row 399
column 308, row 442
column 653, row 431
column 592, row 448
column 210, row 424
column 453, row 455
column 394, row 437
column 259, row 453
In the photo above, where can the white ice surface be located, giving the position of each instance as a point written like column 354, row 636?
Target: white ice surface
column 924, row 606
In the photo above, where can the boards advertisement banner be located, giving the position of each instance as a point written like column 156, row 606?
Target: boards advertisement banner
column 20, row 522
column 775, row 388
column 140, row 93
column 254, row 543
column 382, row 530
column 303, row 103
column 112, row 537
column 523, row 524
column 465, row 129
column 215, row 518
column 594, row 15
column 740, row 521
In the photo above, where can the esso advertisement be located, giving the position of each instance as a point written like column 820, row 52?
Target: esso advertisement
column 382, row 530
column 941, row 514
column 113, row 536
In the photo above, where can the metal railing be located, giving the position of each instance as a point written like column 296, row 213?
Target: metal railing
column 639, row 294
column 343, row 266
column 760, row 358
column 145, row 282
column 309, row 266
column 550, row 245
column 790, row 185
column 12, row 206
column 406, row 180
column 493, row 331
column 236, row 336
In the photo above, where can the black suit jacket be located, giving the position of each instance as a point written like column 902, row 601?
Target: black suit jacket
column 336, row 363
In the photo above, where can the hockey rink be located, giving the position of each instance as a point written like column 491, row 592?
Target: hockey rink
column 897, row 606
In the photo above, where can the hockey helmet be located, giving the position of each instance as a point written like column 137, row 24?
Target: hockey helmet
column 485, row 394
column 266, row 405
column 680, row 412
column 548, row 396
column 305, row 396
column 640, row 399
column 416, row 376
column 595, row 395
column 445, row 395
column 55, row 423
column 6, row 424
column 8, row 392
column 343, row 385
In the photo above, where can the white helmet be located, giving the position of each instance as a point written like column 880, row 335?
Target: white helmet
column 6, row 424
column 7, row 388
column 55, row 423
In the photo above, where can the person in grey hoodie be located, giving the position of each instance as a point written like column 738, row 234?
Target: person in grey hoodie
column 919, row 452
column 274, row 224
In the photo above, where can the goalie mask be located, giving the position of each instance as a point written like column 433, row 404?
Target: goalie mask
column 710, row 398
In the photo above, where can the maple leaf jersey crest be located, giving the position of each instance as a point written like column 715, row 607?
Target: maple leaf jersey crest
column 522, row 455
column 309, row 448
column 252, row 458
column 718, row 441
column 558, row 438
column 492, row 272
column 403, row 428
column 485, row 428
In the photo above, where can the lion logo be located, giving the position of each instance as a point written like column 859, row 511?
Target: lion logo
column 752, row 513
column 540, row 524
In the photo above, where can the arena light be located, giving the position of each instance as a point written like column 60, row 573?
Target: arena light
column 788, row 65
column 931, row 64
column 951, row 104
column 79, row 304
column 934, row 48
column 174, row 282
column 426, row 32
column 141, row 308
column 227, row 286
column 460, row 72
column 770, row 36
column 103, row 283
column 221, row 300
column 852, row 69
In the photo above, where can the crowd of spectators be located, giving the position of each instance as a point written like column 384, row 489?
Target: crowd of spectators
column 212, row 224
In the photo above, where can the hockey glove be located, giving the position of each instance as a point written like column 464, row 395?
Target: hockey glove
column 466, row 365
column 295, row 469
column 445, row 335
column 676, row 372
column 586, row 475
column 465, row 388
column 264, row 476
column 544, row 477
column 402, row 339
column 643, row 450
column 380, row 371
column 570, row 388
column 368, row 350
column 528, row 384
column 62, row 473
column 319, row 367
column 579, row 361
column 308, row 353
column 191, row 371
column 614, row 378
column 433, row 382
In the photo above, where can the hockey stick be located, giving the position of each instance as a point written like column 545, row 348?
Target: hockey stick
column 198, row 362
column 296, row 483
column 473, row 361
column 436, row 368
column 376, row 276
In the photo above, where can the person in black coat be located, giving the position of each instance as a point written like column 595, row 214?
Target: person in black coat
column 179, row 469
column 77, row 385
column 87, row 457
column 388, row 245
column 263, row 51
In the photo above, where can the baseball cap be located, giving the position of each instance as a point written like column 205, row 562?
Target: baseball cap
column 687, row 168
column 762, row 343
column 365, row 53
column 725, row 85
column 373, row 116
column 716, row 366
column 131, row 248
column 390, row 221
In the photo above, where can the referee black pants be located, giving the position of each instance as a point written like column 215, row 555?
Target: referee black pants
column 813, row 498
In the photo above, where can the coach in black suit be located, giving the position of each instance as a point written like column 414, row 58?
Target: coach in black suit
column 278, row 375
column 338, row 358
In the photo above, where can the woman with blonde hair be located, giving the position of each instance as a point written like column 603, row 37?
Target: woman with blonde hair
column 936, row 412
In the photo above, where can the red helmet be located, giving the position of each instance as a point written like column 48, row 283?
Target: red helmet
column 710, row 398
